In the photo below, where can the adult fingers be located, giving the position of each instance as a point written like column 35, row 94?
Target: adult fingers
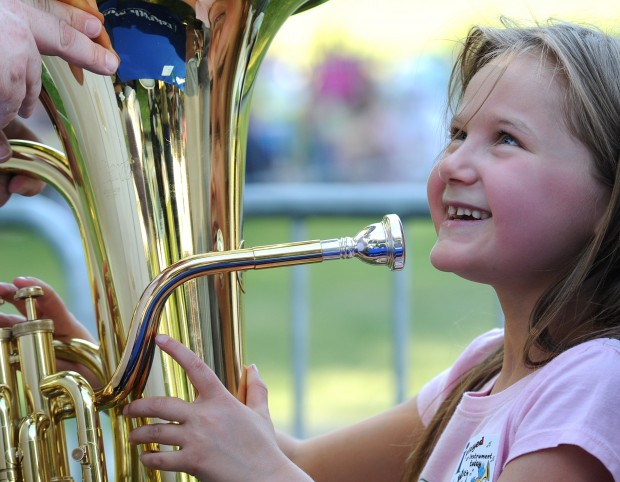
column 85, row 5
column 90, row 6
column 7, row 290
column 33, row 85
column 5, row 148
column 21, row 54
column 4, row 188
column 9, row 320
column 66, row 34
column 18, row 130
column 50, row 304
column 7, row 294
column 25, row 185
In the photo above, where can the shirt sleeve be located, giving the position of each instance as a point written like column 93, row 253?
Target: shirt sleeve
column 573, row 400
column 433, row 393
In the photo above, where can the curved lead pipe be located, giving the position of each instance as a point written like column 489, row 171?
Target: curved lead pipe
column 380, row 243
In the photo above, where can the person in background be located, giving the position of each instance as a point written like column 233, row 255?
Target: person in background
column 71, row 30
column 525, row 198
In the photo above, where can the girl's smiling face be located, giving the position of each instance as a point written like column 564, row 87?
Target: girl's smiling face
column 514, row 197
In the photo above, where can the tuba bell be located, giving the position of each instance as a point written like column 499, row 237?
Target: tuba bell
column 152, row 166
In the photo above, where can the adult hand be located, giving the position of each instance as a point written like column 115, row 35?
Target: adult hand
column 45, row 27
column 49, row 306
column 17, row 183
column 49, row 28
column 219, row 438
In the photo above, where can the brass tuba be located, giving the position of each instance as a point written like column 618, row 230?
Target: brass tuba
column 153, row 169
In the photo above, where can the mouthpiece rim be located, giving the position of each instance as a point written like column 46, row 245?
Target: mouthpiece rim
column 396, row 239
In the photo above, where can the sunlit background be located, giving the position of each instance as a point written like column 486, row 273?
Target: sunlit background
column 353, row 91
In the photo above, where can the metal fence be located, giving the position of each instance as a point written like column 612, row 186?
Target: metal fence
column 296, row 202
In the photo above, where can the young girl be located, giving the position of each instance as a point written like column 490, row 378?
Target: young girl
column 524, row 198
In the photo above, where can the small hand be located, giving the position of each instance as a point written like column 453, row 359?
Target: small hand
column 219, row 438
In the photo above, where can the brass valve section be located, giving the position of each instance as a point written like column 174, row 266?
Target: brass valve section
column 34, row 400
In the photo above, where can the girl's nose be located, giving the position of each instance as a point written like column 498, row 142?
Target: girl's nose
column 457, row 167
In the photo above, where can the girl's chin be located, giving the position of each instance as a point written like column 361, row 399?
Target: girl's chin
column 451, row 262
column 444, row 259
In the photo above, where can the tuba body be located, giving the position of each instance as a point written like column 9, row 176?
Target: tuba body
column 153, row 166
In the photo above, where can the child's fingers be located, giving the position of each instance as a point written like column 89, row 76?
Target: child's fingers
column 165, row 408
column 161, row 433
column 257, row 394
column 200, row 375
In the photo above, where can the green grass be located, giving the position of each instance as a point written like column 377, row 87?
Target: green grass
column 350, row 338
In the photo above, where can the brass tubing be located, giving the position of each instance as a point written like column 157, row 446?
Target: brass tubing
column 35, row 465
column 89, row 452
column 8, row 460
column 81, row 351
column 37, row 360
column 7, row 372
column 381, row 243
column 133, row 369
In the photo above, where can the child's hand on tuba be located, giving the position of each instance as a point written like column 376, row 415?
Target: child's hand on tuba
column 219, row 437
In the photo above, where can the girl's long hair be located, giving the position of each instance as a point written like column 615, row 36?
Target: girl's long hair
column 585, row 302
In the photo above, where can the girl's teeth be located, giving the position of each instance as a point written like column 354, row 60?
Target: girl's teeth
column 473, row 213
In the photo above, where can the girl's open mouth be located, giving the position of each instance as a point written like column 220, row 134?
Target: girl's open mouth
column 466, row 214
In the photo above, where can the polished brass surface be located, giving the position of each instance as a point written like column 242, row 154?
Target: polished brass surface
column 152, row 165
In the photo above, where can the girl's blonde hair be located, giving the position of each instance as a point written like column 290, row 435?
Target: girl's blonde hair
column 585, row 302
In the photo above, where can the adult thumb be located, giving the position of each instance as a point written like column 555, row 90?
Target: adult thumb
column 256, row 392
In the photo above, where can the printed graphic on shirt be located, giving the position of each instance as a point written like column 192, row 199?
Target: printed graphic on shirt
column 477, row 463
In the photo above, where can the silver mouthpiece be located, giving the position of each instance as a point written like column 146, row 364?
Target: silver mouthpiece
column 378, row 243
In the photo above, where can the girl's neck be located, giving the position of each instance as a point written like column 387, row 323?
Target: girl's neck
column 517, row 312
column 513, row 365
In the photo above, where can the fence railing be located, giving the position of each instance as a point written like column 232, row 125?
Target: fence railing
column 297, row 202
column 301, row 201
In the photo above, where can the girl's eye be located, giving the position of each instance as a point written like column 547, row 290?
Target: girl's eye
column 507, row 139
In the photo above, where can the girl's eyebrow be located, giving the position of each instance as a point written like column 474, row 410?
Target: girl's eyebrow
column 516, row 124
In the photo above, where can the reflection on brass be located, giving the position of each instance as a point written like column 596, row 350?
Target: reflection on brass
column 152, row 165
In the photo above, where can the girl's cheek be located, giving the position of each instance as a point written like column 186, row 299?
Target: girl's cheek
column 434, row 189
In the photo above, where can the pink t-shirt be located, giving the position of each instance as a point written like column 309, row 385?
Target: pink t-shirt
column 574, row 399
